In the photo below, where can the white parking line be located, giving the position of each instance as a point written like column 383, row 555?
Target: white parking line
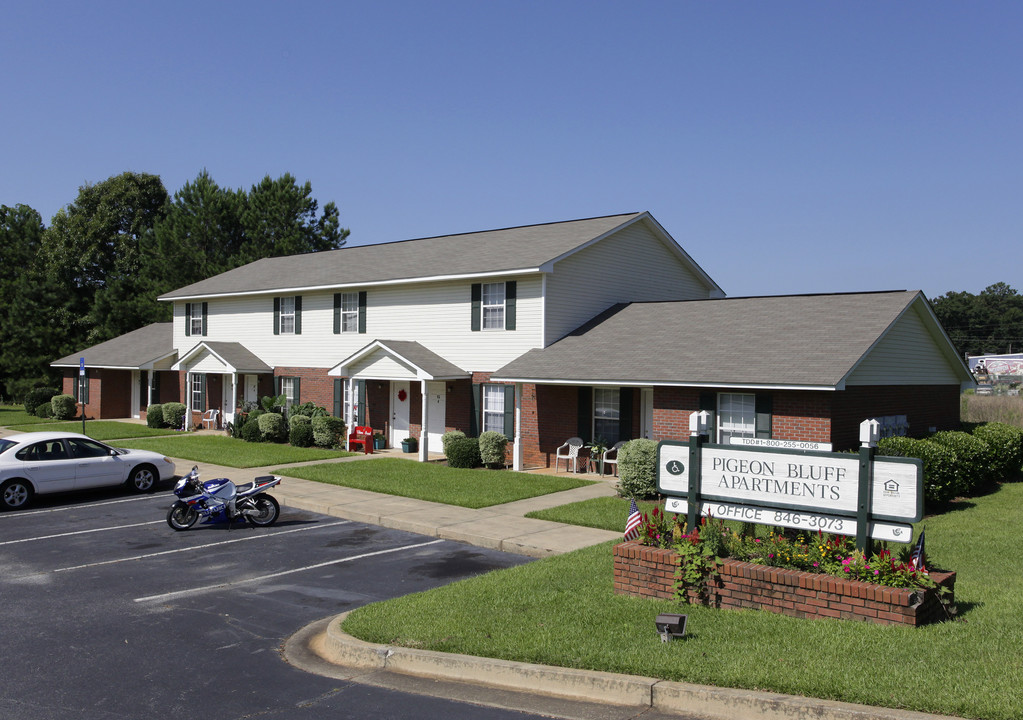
column 80, row 532
column 196, row 547
column 65, row 508
column 261, row 578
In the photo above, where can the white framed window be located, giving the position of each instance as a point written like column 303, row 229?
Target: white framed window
column 493, row 408
column 606, row 415
column 493, row 306
column 350, row 312
column 195, row 318
column 288, row 391
column 737, row 416
column 198, row 392
column 287, row 316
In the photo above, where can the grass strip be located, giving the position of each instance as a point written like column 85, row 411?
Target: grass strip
column 98, row 429
column 231, row 452
column 605, row 513
column 436, row 483
column 562, row 611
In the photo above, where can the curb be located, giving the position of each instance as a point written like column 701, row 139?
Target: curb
column 341, row 649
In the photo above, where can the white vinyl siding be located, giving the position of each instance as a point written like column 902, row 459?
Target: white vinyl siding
column 631, row 265
column 907, row 355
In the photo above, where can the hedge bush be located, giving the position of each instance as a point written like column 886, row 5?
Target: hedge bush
column 328, row 431
column 942, row 482
column 492, row 445
column 174, row 414
column 449, row 436
column 463, row 452
column 974, row 462
column 272, row 427
column 39, row 396
column 154, row 416
column 250, row 431
column 301, row 434
column 294, row 420
column 1006, row 445
column 64, row 407
column 45, row 410
column 307, row 409
column 637, row 469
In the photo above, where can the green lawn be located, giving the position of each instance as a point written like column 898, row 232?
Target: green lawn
column 562, row 611
column 223, row 450
column 16, row 415
column 437, row 483
column 98, row 429
column 605, row 513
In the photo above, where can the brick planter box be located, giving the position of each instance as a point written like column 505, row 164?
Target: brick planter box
column 650, row 572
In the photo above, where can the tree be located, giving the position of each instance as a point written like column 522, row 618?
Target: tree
column 984, row 324
column 28, row 338
column 93, row 247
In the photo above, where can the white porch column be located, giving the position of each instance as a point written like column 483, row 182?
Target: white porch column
column 234, row 397
column 350, row 413
column 149, row 390
column 188, row 401
column 517, row 440
column 424, row 435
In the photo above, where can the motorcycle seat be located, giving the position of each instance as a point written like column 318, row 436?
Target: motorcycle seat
column 244, row 488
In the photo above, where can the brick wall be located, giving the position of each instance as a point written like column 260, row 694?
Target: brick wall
column 925, row 407
column 650, row 572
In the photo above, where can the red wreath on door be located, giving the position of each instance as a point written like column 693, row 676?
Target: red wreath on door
column 402, row 395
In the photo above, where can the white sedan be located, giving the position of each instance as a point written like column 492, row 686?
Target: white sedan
column 47, row 462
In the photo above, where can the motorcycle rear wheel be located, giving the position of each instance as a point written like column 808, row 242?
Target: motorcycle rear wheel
column 181, row 516
column 267, row 507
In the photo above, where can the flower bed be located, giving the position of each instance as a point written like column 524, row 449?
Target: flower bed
column 650, row 572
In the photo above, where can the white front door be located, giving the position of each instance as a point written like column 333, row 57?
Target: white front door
column 252, row 389
column 436, row 393
column 399, row 411
column 646, row 414
column 228, row 406
column 136, row 392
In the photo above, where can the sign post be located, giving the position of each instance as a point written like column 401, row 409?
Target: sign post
column 839, row 493
column 81, row 389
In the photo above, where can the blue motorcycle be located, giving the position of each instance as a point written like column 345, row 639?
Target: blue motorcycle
column 220, row 500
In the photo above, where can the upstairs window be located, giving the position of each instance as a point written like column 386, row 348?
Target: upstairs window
column 288, row 315
column 493, row 306
column 195, row 319
column 350, row 312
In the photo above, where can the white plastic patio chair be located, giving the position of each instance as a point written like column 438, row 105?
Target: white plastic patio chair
column 209, row 418
column 568, row 451
column 611, row 458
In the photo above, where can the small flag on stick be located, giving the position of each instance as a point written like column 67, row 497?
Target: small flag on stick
column 634, row 521
column 917, row 557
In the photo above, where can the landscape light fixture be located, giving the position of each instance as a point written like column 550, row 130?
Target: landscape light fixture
column 670, row 626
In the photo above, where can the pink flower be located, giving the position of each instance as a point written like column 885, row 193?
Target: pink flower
column 815, row 563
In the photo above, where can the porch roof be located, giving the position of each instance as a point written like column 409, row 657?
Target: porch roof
column 139, row 349
column 422, row 363
column 807, row 342
column 235, row 357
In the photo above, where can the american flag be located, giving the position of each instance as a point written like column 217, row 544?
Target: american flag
column 634, row 521
column 917, row 557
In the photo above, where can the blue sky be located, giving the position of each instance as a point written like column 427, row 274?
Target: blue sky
column 789, row 147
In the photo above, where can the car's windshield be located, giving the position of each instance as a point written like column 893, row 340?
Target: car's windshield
column 6, row 445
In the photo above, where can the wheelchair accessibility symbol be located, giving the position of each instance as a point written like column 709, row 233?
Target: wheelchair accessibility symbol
column 675, row 467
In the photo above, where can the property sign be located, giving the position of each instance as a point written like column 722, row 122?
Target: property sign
column 833, row 492
column 782, row 444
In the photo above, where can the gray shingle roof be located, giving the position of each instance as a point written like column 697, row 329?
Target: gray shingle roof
column 238, row 356
column 488, row 252
column 805, row 340
column 135, row 349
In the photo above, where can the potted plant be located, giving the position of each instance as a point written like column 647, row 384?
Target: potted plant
column 378, row 441
column 409, row 444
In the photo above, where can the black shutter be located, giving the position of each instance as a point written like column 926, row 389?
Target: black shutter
column 202, row 393
column 337, row 313
column 509, row 412
column 339, row 395
column 476, row 410
column 764, row 409
column 277, row 385
column 477, row 307
column 625, row 396
column 360, row 387
column 362, row 312
column 205, row 312
column 277, row 316
column 188, row 319
column 298, row 391
column 298, row 314
column 585, row 413
column 509, row 305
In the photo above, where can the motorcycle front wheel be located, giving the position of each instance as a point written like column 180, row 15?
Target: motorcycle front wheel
column 181, row 516
column 267, row 509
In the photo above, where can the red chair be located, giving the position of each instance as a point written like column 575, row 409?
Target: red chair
column 361, row 436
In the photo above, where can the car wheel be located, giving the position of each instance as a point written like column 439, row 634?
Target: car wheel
column 142, row 479
column 15, row 494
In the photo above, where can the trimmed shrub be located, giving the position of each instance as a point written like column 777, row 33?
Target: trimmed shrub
column 294, row 420
column 64, row 407
column 46, row 409
column 973, row 458
column 154, row 416
column 463, row 452
column 637, row 469
column 492, row 446
column 941, row 481
column 272, row 427
column 301, row 434
column 308, row 409
column 250, row 432
column 448, row 437
column 1006, row 445
column 37, row 397
column 328, row 431
column 174, row 414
